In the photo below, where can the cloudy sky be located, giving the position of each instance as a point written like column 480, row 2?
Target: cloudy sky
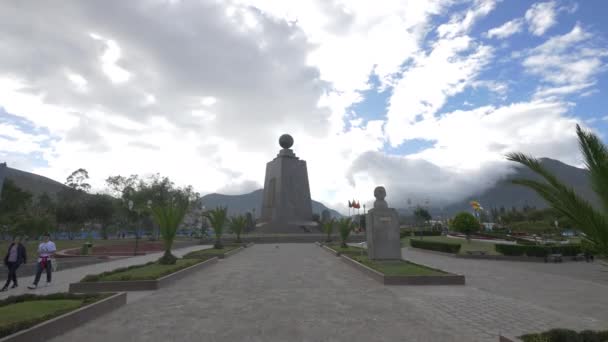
column 424, row 97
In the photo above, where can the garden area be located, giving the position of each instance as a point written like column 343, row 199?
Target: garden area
column 150, row 271
column 22, row 312
column 388, row 267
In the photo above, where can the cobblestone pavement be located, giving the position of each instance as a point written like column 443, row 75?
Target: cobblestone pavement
column 293, row 292
column 61, row 279
column 297, row 292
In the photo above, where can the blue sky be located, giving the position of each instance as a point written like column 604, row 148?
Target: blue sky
column 589, row 108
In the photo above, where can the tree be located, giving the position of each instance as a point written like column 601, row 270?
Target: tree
column 328, row 228
column 217, row 218
column 250, row 226
column 422, row 215
column 237, row 225
column 14, row 206
column 466, row 223
column 78, row 180
column 345, row 227
column 593, row 222
column 100, row 208
column 169, row 215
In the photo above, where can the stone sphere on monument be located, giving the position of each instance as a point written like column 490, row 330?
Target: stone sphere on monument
column 286, row 141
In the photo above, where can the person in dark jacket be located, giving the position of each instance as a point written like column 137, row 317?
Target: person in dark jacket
column 15, row 256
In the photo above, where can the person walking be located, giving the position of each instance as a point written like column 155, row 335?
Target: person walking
column 46, row 250
column 15, row 256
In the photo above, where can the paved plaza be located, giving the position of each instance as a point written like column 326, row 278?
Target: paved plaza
column 297, row 292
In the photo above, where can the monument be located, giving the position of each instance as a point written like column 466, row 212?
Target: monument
column 286, row 205
column 2, row 176
column 383, row 242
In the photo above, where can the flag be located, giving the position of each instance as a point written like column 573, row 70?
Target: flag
column 358, row 205
column 350, row 205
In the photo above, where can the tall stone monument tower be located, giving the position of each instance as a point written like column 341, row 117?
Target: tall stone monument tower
column 286, row 206
column 383, row 241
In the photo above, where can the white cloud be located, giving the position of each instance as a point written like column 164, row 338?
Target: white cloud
column 605, row 118
column 506, row 30
column 569, row 63
column 200, row 91
column 541, row 17
column 453, row 63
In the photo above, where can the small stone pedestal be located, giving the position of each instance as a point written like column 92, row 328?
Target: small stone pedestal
column 383, row 240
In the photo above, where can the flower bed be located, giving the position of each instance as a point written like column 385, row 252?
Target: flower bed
column 39, row 318
column 212, row 252
column 150, row 276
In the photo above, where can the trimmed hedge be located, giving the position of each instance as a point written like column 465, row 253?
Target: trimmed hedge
column 567, row 335
column 538, row 251
column 18, row 326
column 446, row 247
column 408, row 232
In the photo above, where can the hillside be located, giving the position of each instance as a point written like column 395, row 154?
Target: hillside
column 31, row 182
column 240, row 204
column 508, row 195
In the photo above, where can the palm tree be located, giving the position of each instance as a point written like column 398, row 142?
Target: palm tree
column 345, row 226
column 237, row 225
column 593, row 222
column 217, row 217
column 328, row 228
column 168, row 217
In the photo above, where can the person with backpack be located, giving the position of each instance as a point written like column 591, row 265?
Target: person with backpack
column 15, row 256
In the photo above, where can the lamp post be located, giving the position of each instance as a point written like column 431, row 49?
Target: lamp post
column 203, row 223
column 149, row 206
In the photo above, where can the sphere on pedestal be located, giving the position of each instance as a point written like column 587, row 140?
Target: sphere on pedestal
column 286, row 141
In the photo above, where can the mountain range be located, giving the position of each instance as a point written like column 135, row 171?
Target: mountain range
column 240, row 204
column 508, row 195
column 502, row 194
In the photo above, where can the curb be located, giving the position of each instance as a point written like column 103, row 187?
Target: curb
column 137, row 285
column 448, row 279
column 60, row 325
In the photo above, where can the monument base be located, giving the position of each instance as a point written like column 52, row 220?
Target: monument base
column 275, row 227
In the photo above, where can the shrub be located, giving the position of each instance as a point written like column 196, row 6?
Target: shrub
column 465, row 223
column 566, row 335
column 447, row 247
column 405, row 232
column 538, row 251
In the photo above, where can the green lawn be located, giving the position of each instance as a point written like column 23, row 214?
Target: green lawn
column 211, row 252
column 37, row 309
column 351, row 250
column 397, row 267
column 150, row 271
column 464, row 244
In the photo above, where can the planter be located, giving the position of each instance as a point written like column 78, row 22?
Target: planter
column 448, row 279
column 60, row 325
column 329, row 250
column 138, row 285
column 231, row 253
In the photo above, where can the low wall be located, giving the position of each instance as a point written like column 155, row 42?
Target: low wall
column 296, row 238
column 137, row 285
column 60, row 325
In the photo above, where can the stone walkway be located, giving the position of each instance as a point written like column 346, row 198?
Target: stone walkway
column 297, row 292
column 62, row 278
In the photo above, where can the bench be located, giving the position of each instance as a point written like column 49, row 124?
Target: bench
column 476, row 252
column 579, row 256
column 553, row 257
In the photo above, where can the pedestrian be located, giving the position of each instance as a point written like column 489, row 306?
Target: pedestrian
column 15, row 256
column 46, row 250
